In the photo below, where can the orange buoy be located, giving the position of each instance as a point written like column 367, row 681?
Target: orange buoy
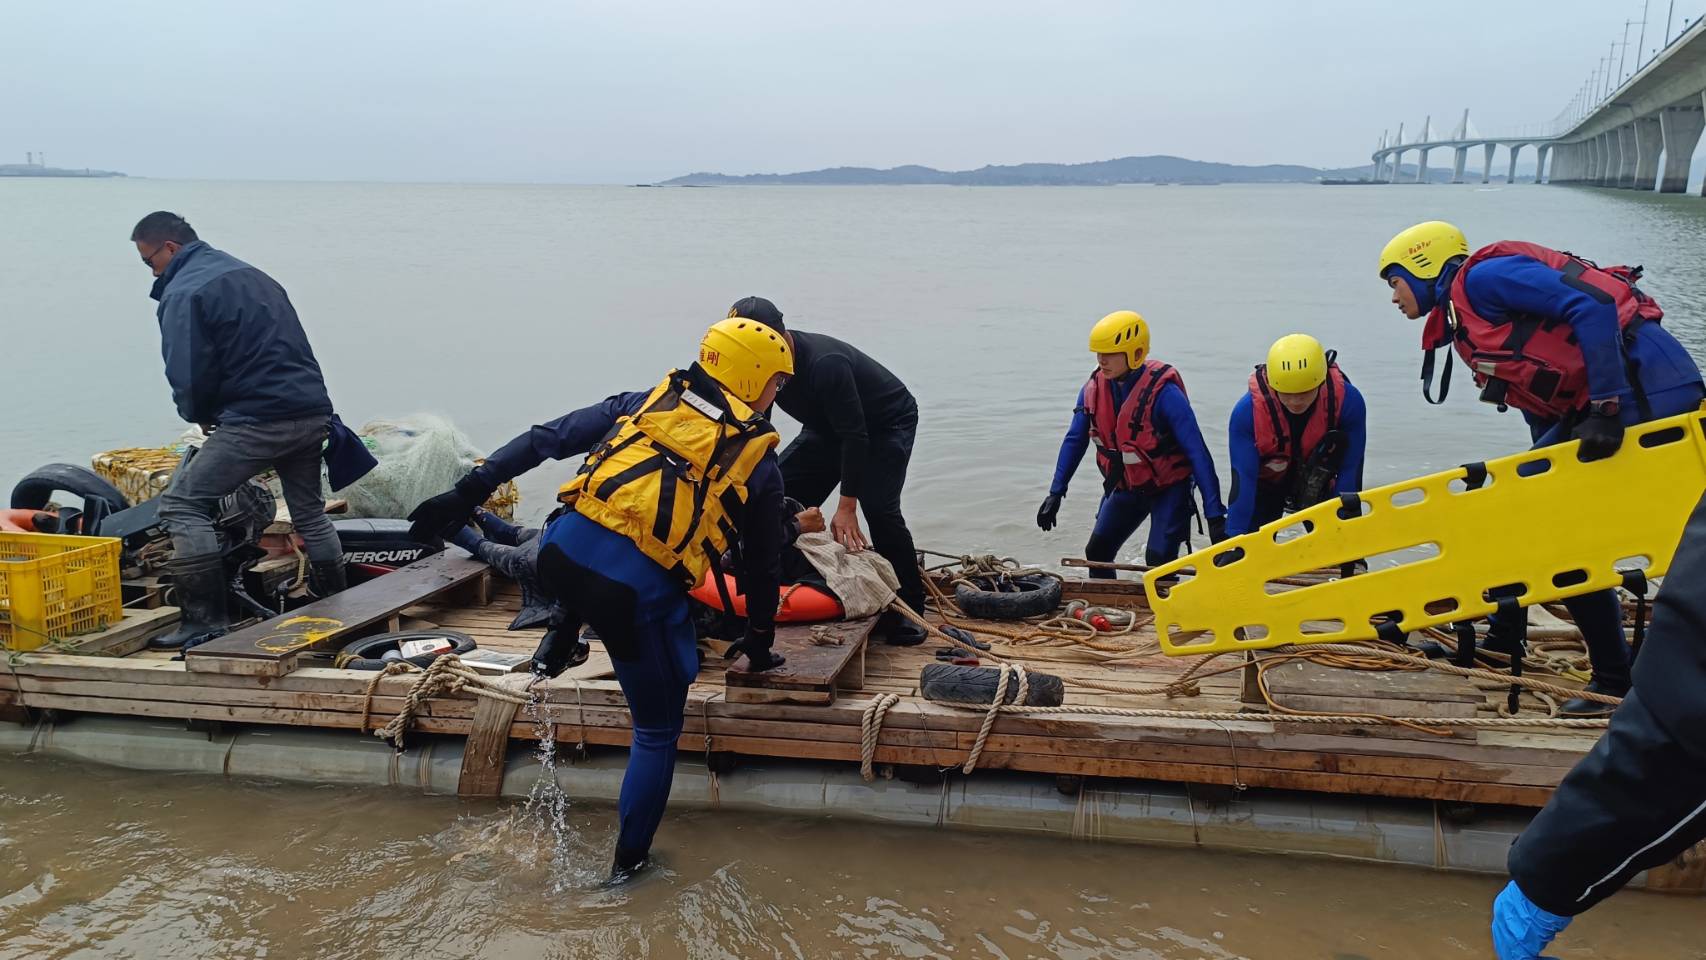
column 800, row 603
column 24, row 521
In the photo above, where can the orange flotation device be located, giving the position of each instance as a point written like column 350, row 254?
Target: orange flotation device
column 800, row 603
column 24, row 521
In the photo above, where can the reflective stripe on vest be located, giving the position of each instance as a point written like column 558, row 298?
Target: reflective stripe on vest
column 672, row 476
column 1535, row 360
column 1148, row 458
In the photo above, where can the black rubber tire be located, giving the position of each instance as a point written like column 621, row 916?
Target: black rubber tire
column 960, row 684
column 1038, row 596
column 364, row 653
column 36, row 489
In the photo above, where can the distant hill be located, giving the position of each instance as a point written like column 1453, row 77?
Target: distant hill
column 37, row 170
column 1157, row 169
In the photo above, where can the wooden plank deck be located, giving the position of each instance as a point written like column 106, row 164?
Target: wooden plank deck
column 1355, row 756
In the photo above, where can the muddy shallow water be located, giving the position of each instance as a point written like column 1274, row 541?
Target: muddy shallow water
column 97, row 862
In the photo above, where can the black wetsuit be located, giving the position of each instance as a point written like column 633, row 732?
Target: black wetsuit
column 858, row 422
column 1638, row 799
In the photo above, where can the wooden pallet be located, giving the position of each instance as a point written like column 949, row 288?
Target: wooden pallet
column 821, row 658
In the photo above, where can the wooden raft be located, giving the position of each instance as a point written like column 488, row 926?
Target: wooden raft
column 1355, row 756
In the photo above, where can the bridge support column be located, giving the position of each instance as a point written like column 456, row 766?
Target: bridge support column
column 1680, row 128
column 1458, row 157
column 1422, row 165
column 1649, row 140
column 1543, row 152
column 1396, row 160
column 1625, row 156
column 1516, row 151
column 1379, row 167
column 1487, row 162
column 1607, row 174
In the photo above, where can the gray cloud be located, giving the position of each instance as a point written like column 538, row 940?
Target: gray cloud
column 593, row 93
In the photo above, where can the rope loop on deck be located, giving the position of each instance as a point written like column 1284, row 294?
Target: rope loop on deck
column 446, row 675
column 870, row 728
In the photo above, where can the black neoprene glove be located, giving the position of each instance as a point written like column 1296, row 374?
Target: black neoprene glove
column 1216, row 529
column 437, row 517
column 1048, row 511
column 1601, row 434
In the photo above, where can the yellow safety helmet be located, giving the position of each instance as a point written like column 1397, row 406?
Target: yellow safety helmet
column 1122, row 331
column 743, row 355
column 1296, row 363
column 1424, row 248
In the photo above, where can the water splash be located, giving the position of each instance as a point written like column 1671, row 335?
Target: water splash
column 544, row 818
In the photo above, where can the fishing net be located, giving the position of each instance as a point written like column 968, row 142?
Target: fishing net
column 419, row 456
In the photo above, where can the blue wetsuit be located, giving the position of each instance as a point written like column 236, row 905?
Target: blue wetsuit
column 1255, row 503
column 1123, row 510
column 638, row 608
column 1667, row 374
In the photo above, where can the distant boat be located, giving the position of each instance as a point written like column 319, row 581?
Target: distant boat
column 1341, row 182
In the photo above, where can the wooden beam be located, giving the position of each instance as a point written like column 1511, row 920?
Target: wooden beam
column 487, row 748
column 270, row 648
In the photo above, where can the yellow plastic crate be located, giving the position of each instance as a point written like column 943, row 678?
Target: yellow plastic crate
column 53, row 587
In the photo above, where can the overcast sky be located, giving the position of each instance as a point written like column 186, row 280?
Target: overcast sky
column 606, row 92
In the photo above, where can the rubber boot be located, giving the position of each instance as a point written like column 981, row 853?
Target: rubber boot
column 199, row 585
column 902, row 632
column 1577, row 707
column 326, row 577
column 627, row 865
column 559, row 650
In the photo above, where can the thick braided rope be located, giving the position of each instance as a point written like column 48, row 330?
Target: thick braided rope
column 995, row 707
column 446, row 675
column 870, row 728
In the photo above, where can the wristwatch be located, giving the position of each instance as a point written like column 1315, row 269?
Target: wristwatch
column 1604, row 408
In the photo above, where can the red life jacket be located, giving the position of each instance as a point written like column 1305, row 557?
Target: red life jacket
column 1280, row 452
column 1531, row 363
column 1131, row 450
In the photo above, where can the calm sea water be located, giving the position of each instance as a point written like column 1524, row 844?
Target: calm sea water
column 503, row 305
column 500, row 306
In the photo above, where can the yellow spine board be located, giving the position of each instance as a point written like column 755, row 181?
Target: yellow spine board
column 1543, row 526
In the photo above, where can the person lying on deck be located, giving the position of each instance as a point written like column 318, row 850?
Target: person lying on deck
column 820, row 579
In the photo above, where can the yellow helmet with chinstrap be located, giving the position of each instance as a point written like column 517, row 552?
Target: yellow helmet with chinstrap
column 1123, row 331
column 743, row 355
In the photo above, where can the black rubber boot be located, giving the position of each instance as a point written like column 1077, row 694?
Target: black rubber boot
column 326, row 577
column 559, row 650
column 628, row 864
column 199, row 587
column 1578, row 707
column 904, row 633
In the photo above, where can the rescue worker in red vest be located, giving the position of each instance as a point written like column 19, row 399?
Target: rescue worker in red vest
column 1148, row 447
column 1578, row 349
column 673, row 477
column 1297, row 436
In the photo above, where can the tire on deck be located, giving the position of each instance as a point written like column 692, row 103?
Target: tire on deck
column 1037, row 596
column 961, row 684
column 364, row 654
column 35, row 490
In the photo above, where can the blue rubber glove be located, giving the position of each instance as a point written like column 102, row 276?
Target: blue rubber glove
column 1520, row 929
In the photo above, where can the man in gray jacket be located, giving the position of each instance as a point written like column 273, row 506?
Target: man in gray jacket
column 239, row 365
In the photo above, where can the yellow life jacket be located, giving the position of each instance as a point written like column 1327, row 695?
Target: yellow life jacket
column 672, row 476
